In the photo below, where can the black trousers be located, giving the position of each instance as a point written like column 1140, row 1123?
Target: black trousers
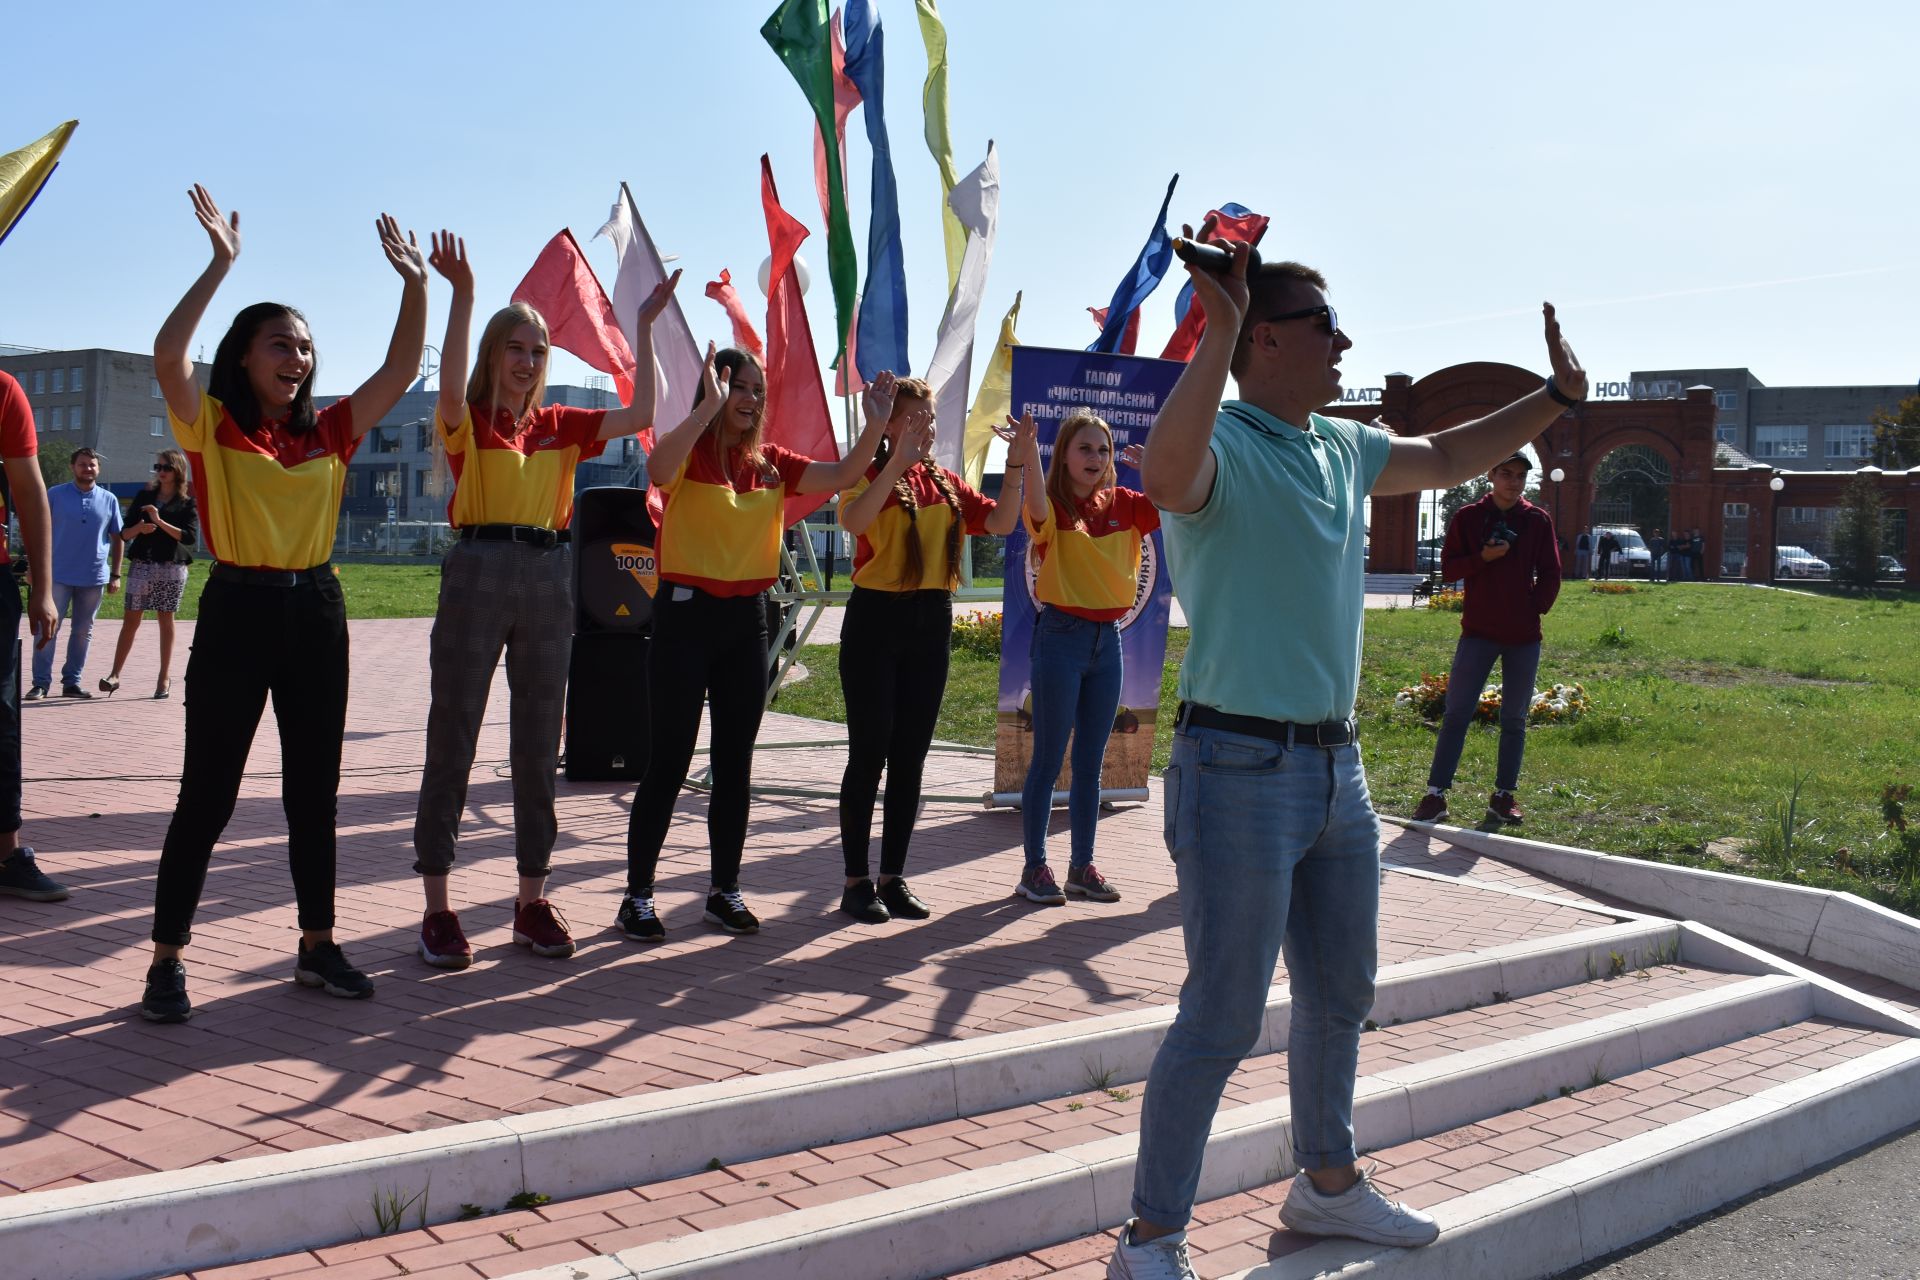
column 252, row 643
column 710, row 649
column 894, row 650
column 10, row 614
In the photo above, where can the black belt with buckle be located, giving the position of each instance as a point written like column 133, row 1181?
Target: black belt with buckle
column 531, row 534
column 270, row 577
column 1332, row 733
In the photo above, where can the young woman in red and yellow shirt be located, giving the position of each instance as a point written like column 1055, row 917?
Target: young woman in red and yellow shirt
column 718, row 551
column 909, row 516
column 267, row 475
column 1087, row 533
column 506, row 584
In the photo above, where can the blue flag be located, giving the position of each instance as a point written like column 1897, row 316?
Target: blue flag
column 883, row 308
column 1138, row 283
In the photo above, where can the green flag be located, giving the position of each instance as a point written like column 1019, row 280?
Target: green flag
column 800, row 34
column 933, row 100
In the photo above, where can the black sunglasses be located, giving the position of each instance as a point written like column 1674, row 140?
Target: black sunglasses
column 1324, row 309
column 163, row 466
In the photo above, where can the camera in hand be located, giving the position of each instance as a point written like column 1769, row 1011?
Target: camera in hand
column 1501, row 532
column 1211, row 257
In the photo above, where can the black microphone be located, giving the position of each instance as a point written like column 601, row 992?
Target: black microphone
column 1211, row 257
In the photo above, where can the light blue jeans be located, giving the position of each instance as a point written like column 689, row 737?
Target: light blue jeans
column 1076, row 673
column 85, row 602
column 1269, row 842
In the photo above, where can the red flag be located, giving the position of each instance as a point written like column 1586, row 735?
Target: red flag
column 1247, row 226
column 1129, row 337
column 723, row 292
column 796, row 414
column 563, row 289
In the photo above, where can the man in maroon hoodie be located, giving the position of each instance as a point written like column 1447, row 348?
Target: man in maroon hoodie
column 1503, row 547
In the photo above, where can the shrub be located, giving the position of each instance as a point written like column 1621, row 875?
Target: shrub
column 1448, row 599
column 1611, row 588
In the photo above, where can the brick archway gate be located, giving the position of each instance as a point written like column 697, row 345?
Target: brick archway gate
column 1681, row 431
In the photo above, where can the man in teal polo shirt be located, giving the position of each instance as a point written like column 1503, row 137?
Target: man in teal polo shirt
column 1273, row 836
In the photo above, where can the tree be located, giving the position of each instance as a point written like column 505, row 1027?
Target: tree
column 1896, row 436
column 1856, row 534
column 56, row 461
column 1451, row 500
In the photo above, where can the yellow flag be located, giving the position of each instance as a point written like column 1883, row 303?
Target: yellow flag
column 933, row 100
column 24, row 172
column 993, row 401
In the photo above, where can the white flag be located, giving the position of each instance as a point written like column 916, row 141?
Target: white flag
column 676, row 356
column 976, row 202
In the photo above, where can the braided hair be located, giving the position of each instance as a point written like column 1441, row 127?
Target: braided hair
column 911, row 574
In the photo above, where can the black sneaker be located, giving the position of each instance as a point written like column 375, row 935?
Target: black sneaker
column 637, row 920
column 165, row 999
column 326, row 967
column 75, row 691
column 728, row 909
column 861, row 902
column 36, row 693
column 901, row 902
column 21, row 877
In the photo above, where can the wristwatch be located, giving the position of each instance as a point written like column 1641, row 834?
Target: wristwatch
column 1557, row 395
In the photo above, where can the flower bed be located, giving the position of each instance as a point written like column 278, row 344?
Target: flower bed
column 1558, row 704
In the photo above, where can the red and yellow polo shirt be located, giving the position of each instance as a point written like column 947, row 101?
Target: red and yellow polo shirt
column 508, row 473
column 1093, row 571
column 269, row 500
column 721, row 528
column 880, row 554
column 17, row 439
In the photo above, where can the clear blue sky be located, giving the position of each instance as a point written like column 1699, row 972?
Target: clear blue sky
column 1693, row 185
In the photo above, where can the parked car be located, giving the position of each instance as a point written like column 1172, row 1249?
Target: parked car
column 1427, row 555
column 1798, row 562
column 1631, row 559
column 1891, row 568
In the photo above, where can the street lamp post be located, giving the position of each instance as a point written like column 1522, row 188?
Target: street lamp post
column 1773, row 529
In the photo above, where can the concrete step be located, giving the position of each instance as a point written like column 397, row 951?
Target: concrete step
column 935, row 1197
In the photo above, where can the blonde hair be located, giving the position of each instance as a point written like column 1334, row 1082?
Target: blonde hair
column 913, row 570
column 1060, row 483
column 481, row 389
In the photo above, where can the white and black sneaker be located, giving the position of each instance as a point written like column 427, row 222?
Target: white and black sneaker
column 325, row 966
column 728, row 909
column 638, row 920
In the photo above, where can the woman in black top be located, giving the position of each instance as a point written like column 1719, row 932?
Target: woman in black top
column 161, row 525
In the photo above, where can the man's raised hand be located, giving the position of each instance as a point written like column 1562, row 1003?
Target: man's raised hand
column 1567, row 373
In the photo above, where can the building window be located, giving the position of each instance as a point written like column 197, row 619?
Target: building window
column 39, row 382
column 1734, row 510
column 59, row 381
column 158, row 394
column 73, row 379
column 1727, row 433
column 156, row 425
column 59, row 418
column 1779, row 442
column 388, row 484
column 385, row 440
column 1849, row 442
column 425, row 437
column 1726, row 399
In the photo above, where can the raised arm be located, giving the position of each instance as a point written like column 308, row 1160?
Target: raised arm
column 1416, row 463
column 383, row 390
column 671, row 448
column 913, row 446
column 1023, row 447
column 172, row 365
column 449, row 258
column 637, row 416
column 1178, row 471
column 831, row 477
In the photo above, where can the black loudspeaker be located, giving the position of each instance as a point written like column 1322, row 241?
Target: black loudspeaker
column 607, row 707
column 614, row 568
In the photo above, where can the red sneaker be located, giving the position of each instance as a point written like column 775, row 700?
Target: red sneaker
column 536, row 924
column 1502, row 805
column 1432, row 808
column 442, row 945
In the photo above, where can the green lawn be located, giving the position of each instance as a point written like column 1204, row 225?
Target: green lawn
column 373, row 591
column 1710, row 704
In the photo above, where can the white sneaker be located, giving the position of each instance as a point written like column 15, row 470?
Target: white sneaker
column 1360, row 1212
column 1162, row 1258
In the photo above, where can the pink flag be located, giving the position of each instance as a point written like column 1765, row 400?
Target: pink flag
column 1129, row 337
column 797, row 414
column 723, row 292
column 846, row 96
column 563, row 289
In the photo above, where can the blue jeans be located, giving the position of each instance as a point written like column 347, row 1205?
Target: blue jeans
column 86, row 603
column 1473, row 660
column 1076, row 671
column 1275, row 848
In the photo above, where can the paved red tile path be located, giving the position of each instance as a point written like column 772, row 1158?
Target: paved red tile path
column 92, row 1092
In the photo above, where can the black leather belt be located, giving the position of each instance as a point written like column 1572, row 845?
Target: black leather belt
column 532, row 534
column 1333, row 733
column 270, row 577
